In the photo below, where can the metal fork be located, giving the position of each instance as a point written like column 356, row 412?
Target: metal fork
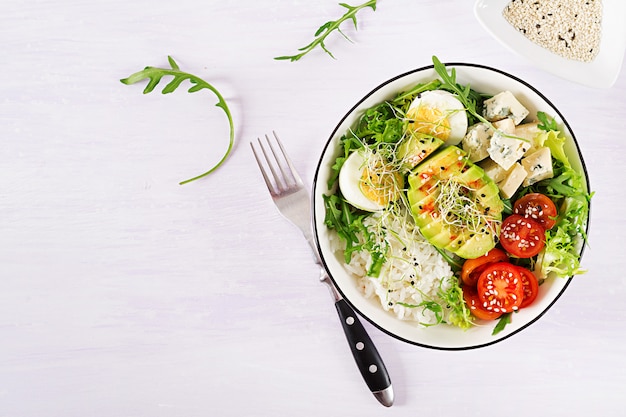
column 293, row 202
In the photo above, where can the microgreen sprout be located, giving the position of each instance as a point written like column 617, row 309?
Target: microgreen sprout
column 458, row 208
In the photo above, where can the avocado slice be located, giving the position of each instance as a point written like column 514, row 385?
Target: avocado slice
column 415, row 148
column 455, row 204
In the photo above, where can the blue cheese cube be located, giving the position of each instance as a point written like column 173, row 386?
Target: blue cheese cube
column 529, row 132
column 506, row 126
column 476, row 141
column 513, row 180
column 506, row 150
column 493, row 170
column 504, row 105
column 538, row 166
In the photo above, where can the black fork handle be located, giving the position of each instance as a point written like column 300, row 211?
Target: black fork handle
column 365, row 354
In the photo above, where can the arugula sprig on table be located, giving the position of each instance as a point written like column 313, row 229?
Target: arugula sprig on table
column 155, row 75
column 327, row 28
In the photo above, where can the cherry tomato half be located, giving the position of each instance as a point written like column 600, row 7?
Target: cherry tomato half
column 522, row 237
column 470, row 295
column 538, row 207
column 530, row 285
column 472, row 268
column 500, row 288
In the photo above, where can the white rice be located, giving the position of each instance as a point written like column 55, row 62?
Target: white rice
column 414, row 272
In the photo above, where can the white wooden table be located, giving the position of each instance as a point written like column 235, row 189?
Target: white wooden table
column 123, row 293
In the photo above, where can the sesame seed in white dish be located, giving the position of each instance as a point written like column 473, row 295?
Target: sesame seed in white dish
column 569, row 28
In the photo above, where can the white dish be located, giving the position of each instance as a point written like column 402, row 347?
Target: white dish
column 485, row 80
column 602, row 72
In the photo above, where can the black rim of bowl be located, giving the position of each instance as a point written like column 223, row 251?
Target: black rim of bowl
column 315, row 197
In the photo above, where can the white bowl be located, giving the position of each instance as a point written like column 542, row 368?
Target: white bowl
column 602, row 72
column 485, row 80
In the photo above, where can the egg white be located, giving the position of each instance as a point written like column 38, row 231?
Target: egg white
column 446, row 103
column 349, row 183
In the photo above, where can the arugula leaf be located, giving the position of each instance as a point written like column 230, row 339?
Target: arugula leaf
column 502, row 322
column 379, row 124
column 348, row 143
column 470, row 99
column 428, row 305
column 348, row 223
column 327, row 28
column 459, row 313
column 404, row 99
column 547, row 123
column 155, row 75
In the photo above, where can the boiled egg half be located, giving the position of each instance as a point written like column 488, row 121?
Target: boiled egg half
column 368, row 182
column 438, row 113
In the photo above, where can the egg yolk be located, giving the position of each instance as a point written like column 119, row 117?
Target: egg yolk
column 380, row 184
column 430, row 121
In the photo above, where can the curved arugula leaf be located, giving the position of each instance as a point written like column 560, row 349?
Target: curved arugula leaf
column 155, row 75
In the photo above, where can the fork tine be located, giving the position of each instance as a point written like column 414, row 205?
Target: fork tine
column 277, row 178
column 292, row 169
column 284, row 177
column 269, row 184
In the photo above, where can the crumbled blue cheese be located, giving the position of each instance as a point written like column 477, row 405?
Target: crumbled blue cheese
column 538, row 166
column 504, row 105
column 476, row 141
column 513, row 180
column 506, row 150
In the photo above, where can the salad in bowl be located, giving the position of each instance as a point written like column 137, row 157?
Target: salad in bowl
column 451, row 206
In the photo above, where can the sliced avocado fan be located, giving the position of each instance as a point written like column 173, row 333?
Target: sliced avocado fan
column 455, row 204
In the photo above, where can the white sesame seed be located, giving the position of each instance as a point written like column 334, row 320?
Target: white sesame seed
column 569, row 28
